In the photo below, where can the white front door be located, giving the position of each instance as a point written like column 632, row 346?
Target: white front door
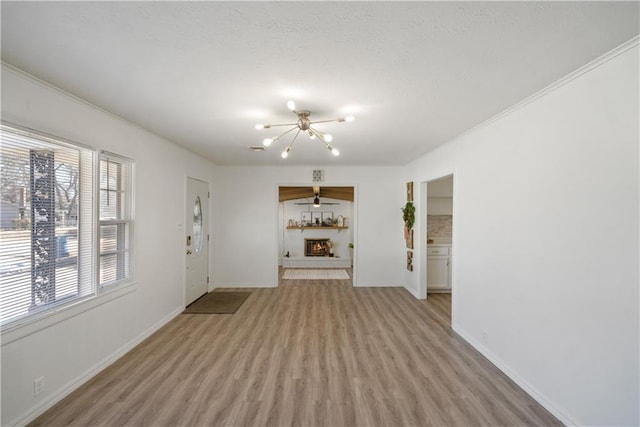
column 197, row 240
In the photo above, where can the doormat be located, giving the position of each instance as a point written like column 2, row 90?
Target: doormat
column 217, row 303
column 315, row 274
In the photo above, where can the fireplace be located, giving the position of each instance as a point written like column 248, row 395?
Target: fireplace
column 316, row 247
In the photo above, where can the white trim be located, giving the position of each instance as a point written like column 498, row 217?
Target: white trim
column 101, row 293
column 555, row 85
column 413, row 292
column 245, row 285
column 421, row 204
column 353, row 226
column 278, row 205
column 32, row 324
column 561, row 82
column 513, row 376
column 73, row 385
column 5, row 66
column 28, row 132
column 378, row 285
column 209, row 231
column 49, row 86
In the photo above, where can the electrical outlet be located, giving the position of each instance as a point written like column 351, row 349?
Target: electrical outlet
column 485, row 337
column 38, row 386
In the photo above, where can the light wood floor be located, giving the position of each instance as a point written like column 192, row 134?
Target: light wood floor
column 308, row 353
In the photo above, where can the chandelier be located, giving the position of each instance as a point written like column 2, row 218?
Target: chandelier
column 303, row 125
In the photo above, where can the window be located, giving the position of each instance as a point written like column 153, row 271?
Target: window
column 115, row 218
column 197, row 226
column 49, row 210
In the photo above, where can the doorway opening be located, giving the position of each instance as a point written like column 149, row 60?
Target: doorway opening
column 316, row 231
column 438, row 240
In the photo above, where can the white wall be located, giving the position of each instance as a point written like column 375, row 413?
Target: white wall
column 440, row 206
column 440, row 196
column 68, row 352
column 247, row 230
column 546, row 242
column 442, row 187
column 292, row 241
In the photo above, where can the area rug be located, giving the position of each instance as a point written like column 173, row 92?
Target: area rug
column 217, row 303
column 313, row 274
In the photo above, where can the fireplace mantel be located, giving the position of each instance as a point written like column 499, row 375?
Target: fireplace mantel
column 322, row 227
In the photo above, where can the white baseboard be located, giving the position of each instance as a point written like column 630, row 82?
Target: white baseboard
column 245, row 285
column 70, row 387
column 376, row 285
column 413, row 292
column 532, row 391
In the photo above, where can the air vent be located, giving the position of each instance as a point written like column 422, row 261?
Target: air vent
column 256, row 148
column 318, row 175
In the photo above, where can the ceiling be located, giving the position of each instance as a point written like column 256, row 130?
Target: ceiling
column 415, row 74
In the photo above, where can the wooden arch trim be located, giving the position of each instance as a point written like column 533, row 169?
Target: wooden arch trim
column 293, row 193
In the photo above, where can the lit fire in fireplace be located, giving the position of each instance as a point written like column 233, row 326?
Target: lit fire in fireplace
column 316, row 247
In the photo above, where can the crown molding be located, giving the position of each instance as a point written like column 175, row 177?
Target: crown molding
column 48, row 86
column 45, row 84
column 603, row 59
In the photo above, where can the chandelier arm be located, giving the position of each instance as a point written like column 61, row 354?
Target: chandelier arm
column 293, row 140
column 318, row 135
column 328, row 146
column 281, row 135
column 341, row 119
column 283, row 124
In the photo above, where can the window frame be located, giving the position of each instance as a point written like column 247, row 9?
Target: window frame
column 58, row 311
column 127, row 222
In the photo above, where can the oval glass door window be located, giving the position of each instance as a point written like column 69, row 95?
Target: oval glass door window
column 197, row 226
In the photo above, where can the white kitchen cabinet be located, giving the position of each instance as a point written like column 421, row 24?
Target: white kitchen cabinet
column 438, row 268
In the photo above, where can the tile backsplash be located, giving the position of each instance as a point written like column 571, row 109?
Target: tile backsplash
column 439, row 226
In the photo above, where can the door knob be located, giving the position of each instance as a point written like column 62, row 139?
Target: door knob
column 189, row 252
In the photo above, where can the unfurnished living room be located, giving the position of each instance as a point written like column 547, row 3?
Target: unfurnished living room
column 320, row 213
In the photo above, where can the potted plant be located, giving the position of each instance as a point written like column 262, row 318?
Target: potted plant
column 409, row 218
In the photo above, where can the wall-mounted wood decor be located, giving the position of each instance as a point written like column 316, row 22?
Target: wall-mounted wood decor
column 408, row 214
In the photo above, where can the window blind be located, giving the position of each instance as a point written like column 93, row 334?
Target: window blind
column 46, row 224
column 115, row 218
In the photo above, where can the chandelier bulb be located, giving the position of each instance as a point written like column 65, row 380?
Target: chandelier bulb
column 267, row 142
column 259, row 126
column 335, row 152
column 328, row 137
column 285, row 153
column 349, row 118
column 291, row 105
